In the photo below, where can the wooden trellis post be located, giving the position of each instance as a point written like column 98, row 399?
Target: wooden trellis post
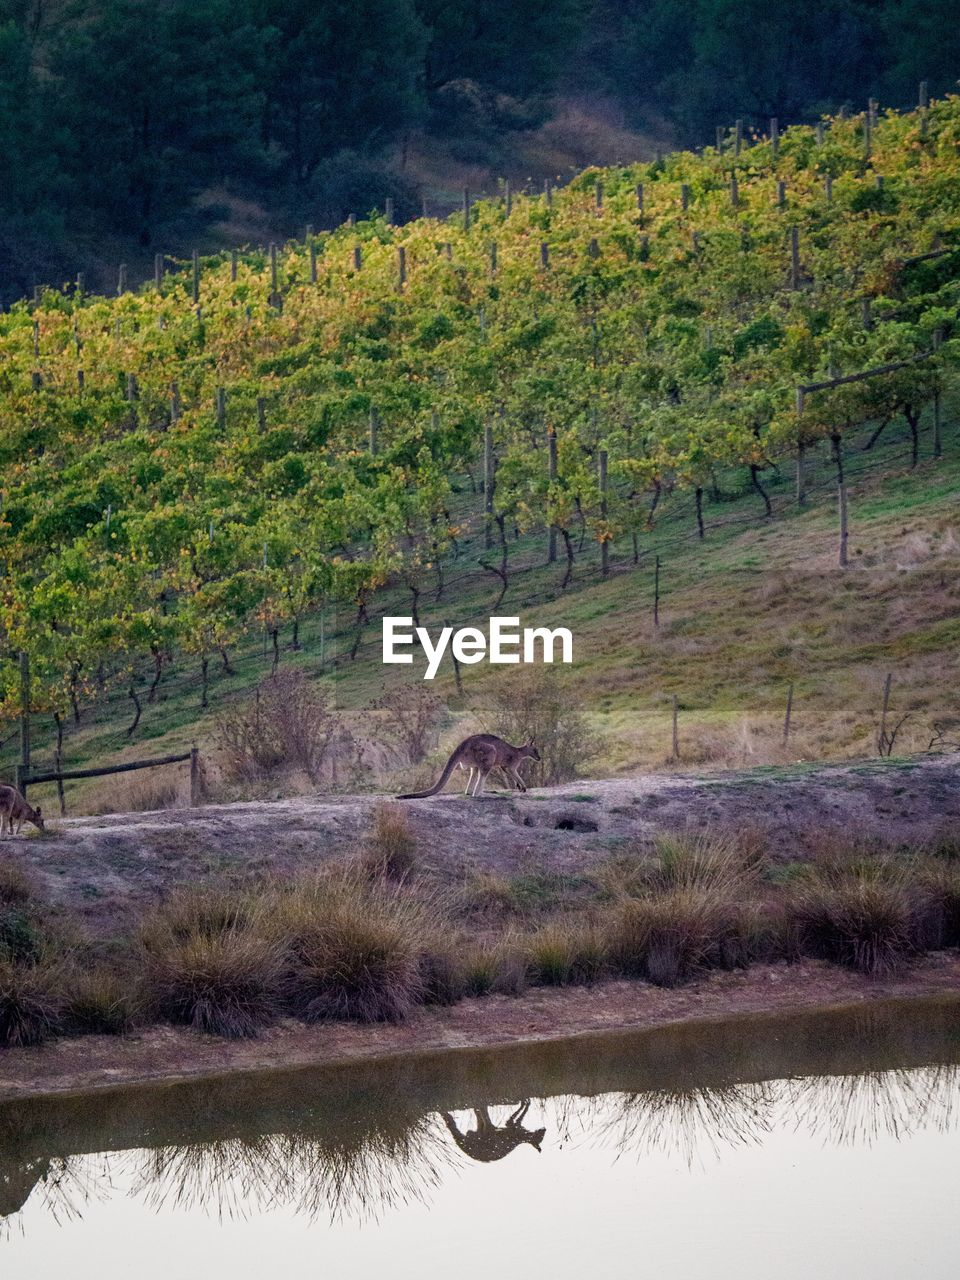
column 640, row 197
column 552, row 478
column 176, row 406
column 794, row 257
column 401, row 266
column 388, row 211
column 604, row 544
column 488, row 486
column 196, row 276
column 313, row 262
column 544, row 255
column 23, row 768
column 261, row 414
column 357, row 258
column 684, row 196
column 122, row 279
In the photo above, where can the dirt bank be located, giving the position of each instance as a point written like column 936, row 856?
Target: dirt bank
column 107, row 868
column 169, row 1054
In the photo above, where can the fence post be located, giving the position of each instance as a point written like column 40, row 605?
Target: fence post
column 313, row 262
column 781, row 194
column 544, row 255
column 675, row 737
column 640, row 197
column 548, row 191
column 401, row 266
column 234, row 258
column 388, row 211
column 261, row 413
column 923, row 96
column 195, row 784
column 734, row 193
column 786, row 718
column 357, row 258
column 684, row 196
column 122, row 279
column 175, row 404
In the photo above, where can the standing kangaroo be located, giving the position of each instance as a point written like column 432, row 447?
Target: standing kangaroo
column 14, row 809
column 482, row 753
column 490, row 1141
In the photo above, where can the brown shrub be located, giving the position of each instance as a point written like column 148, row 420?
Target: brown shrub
column 287, row 724
column 533, row 703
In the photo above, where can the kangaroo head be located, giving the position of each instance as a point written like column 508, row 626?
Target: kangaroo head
column 529, row 750
column 535, row 1137
column 37, row 819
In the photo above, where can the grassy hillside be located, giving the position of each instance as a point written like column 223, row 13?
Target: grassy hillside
column 298, row 441
column 756, row 606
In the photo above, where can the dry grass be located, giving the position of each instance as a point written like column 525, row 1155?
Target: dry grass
column 389, row 853
column 146, row 792
column 31, row 1003
column 351, row 949
column 16, row 886
column 561, row 953
column 345, row 944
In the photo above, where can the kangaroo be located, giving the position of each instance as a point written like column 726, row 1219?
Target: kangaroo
column 482, row 753
column 490, row 1141
column 14, row 809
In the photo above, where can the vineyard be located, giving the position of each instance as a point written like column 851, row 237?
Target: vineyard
column 258, row 441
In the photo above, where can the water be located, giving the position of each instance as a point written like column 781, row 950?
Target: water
column 812, row 1144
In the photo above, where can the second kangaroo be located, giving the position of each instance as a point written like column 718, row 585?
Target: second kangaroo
column 14, row 809
column 481, row 754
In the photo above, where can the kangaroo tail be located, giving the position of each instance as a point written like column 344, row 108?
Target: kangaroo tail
column 440, row 783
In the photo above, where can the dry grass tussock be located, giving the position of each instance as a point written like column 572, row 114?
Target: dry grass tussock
column 375, row 938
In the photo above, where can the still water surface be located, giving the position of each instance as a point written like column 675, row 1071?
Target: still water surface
column 810, row 1145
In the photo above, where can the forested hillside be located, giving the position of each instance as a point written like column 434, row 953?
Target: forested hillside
column 129, row 127
column 256, row 437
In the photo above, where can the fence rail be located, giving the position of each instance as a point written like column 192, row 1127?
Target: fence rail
column 26, row 777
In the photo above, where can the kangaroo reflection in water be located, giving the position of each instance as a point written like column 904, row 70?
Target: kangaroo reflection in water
column 490, row 1141
column 363, row 1159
